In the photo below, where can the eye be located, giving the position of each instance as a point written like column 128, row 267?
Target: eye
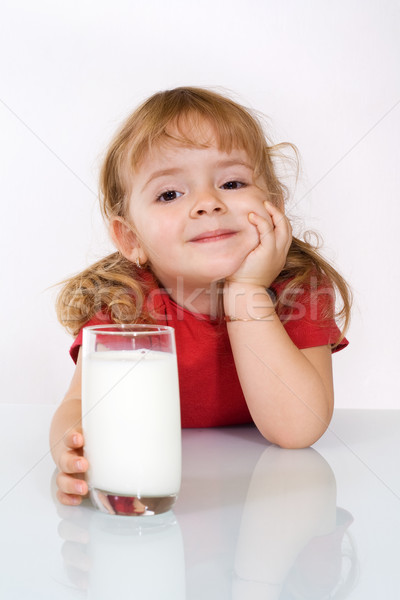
column 233, row 185
column 168, row 196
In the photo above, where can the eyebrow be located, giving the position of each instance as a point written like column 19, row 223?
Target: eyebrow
column 161, row 173
column 233, row 163
column 176, row 170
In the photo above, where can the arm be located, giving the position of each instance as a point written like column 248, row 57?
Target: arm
column 289, row 391
column 66, row 443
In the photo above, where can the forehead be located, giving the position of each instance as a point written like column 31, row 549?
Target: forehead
column 187, row 139
column 171, row 153
column 192, row 130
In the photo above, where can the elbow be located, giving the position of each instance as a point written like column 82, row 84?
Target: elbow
column 297, row 429
column 296, row 438
column 293, row 443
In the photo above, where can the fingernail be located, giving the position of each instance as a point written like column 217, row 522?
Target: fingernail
column 79, row 487
column 75, row 439
column 79, row 465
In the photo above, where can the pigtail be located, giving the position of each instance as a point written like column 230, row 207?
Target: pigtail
column 306, row 269
column 108, row 286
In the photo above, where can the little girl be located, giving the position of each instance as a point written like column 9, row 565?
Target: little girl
column 196, row 211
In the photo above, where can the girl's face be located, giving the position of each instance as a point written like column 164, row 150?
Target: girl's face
column 189, row 207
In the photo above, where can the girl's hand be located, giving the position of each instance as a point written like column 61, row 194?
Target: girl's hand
column 263, row 264
column 73, row 466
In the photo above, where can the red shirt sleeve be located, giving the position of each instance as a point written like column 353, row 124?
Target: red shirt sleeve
column 307, row 316
column 100, row 318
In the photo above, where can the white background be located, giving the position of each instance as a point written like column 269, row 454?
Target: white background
column 325, row 73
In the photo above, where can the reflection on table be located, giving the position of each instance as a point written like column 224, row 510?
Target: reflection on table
column 253, row 521
column 290, row 542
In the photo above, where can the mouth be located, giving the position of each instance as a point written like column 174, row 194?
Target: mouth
column 214, row 236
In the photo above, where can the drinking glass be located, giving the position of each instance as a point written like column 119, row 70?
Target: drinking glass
column 131, row 418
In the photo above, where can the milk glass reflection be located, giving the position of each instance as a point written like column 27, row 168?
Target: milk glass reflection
column 145, row 557
column 118, row 557
column 290, row 542
column 131, row 418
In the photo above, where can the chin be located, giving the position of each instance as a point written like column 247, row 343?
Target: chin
column 224, row 272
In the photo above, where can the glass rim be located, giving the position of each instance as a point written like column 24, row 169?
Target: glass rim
column 129, row 329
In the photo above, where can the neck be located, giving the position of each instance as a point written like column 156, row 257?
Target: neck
column 204, row 300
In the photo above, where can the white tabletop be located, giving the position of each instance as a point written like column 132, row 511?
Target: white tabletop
column 252, row 521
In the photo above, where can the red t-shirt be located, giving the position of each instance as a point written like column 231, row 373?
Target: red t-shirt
column 210, row 392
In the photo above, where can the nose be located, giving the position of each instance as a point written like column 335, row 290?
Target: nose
column 207, row 203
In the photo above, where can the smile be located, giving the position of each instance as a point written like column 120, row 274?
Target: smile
column 214, row 236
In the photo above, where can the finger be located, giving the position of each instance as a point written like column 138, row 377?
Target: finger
column 277, row 216
column 71, row 462
column 74, row 439
column 68, row 499
column 264, row 225
column 283, row 228
column 71, row 485
column 290, row 236
column 284, row 234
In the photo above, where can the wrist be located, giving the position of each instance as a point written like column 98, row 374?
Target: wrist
column 244, row 301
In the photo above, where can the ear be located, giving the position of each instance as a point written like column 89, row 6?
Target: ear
column 126, row 240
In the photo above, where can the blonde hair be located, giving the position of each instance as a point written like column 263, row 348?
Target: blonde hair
column 113, row 283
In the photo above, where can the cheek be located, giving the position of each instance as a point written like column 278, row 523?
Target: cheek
column 256, row 205
column 157, row 237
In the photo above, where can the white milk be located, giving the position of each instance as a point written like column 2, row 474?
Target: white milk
column 131, row 422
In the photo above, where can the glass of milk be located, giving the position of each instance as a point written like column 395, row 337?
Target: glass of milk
column 131, row 418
